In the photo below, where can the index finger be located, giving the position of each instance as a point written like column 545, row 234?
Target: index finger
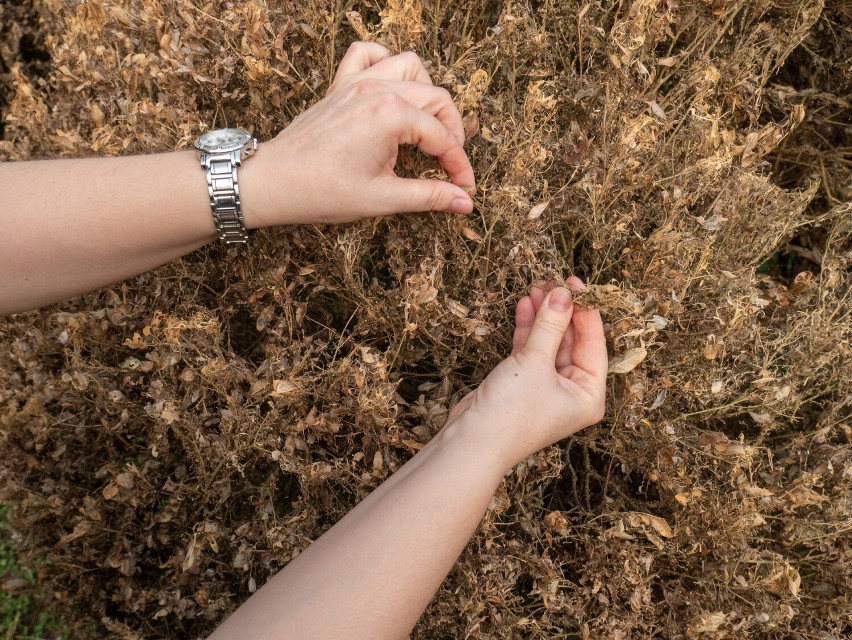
column 406, row 66
column 358, row 57
column 435, row 101
column 589, row 352
column 435, row 138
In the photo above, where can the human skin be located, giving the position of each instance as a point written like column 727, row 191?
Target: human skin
column 373, row 573
column 71, row 226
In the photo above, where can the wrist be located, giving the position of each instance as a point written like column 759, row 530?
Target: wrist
column 258, row 206
column 469, row 435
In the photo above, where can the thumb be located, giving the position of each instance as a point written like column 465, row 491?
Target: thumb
column 427, row 195
column 551, row 323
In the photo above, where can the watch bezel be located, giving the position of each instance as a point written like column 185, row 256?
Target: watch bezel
column 222, row 148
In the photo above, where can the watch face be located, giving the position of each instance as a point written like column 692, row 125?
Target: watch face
column 222, row 140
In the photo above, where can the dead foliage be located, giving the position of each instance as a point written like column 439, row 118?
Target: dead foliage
column 171, row 441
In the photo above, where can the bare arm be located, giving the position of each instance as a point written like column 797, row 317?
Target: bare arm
column 75, row 225
column 373, row 573
column 71, row 226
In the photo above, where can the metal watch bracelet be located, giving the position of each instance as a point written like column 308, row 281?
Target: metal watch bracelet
column 224, row 191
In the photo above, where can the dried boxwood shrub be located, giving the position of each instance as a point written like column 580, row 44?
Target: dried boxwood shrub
column 171, row 441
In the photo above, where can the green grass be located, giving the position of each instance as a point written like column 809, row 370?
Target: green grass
column 18, row 620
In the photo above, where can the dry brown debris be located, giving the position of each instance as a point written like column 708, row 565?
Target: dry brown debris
column 171, row 441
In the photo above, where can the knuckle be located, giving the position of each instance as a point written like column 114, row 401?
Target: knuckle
column 388, row 103
column 414, row 63
column 551, row 326
column 452, row 140
column 367, row 86
column 445, row 95
column 359, row 46
column 354, row 49
column 434, row 199
column 445, row 137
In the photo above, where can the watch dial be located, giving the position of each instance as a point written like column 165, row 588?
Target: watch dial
column 223, row 139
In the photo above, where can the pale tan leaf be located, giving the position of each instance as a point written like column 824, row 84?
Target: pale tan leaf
column 657, row 110
column 471, row 128
column 427, row 296
column 804, row 496
column 761, row 418
column 636, row 519
column 96, row 115
column 470, row 234
column 794, row 581
column 457, row 309
column 712, row 74
column 369, row 356
column 556, row 521
column 80, row 530
column 357, row 23
column 169, row 415
column 378, row 464
column 259, row 387
column 661, row 526
column 281, row 387
column 628, row 360
column 191, row 556
column 537, row 210
column 712, row 350
column 709, row 623
column 756, row 491
column 618, row 531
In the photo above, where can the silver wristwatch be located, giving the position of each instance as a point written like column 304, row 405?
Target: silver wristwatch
column 222, row 151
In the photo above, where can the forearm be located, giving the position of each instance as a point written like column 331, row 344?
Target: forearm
column 71, row 226
column 374, row 572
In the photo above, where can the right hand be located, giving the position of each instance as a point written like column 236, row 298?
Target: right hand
column 552, row 385
column 335, row 162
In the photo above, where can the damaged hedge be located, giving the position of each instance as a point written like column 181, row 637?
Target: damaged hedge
column 168, row 443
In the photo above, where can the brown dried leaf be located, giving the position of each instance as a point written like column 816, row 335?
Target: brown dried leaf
column 627, row 361
column 110, row 491
column 282, row 387
column 794, row 580
column 471, row 125
column 708, row 623
column 537, row 210
column 636, row 519
column 470, row 234
column 457, row 309
column 124, row 480
column 80, row 529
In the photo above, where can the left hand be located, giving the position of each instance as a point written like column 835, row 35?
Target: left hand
column 552, row 385
column 335, row 162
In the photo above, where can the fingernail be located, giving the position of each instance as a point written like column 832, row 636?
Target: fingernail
column 469, row 189
column 560, row 299
column 461, row 205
